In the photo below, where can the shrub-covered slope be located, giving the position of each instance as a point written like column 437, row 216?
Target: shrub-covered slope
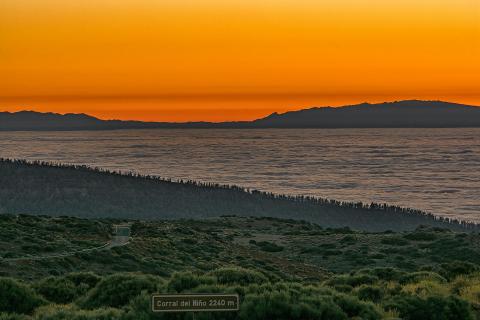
column 281, row 248
column 39, row 188
column 282, row 269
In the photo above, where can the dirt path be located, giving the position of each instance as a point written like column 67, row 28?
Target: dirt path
column 117, row 241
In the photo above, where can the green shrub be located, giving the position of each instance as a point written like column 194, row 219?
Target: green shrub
column 394, row 241
column 426, row 288
column 415, row 277
column 342, row 288
column 282, row 306
column 328, row 245
column 139, row 309
column 312, row 250
column 56, row 289
column 16, row 297
column 269, row 246
column 118, row 289
column 238, row 276
column 377, row 256
column 356, row 308
column 430, row 308
column 88, row 278
column 352, row 280
column 69, row 312
column 453, row 269
column 369, row 293
column 13, row 316
column 421, row 236
column 187, row 280
column 329, row 252
column 67, row 288
column 349, row 239
column 384, row 273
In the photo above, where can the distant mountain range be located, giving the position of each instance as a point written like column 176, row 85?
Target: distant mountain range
column 398, row 114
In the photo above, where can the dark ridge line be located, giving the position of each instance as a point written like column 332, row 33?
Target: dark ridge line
column 393, row 114
column 465, row 224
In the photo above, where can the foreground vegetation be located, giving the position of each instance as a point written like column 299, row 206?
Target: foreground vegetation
column 365, row 294
column 282, row 269
column 44, row 188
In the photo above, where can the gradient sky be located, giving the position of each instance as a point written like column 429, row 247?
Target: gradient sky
column 177, row 60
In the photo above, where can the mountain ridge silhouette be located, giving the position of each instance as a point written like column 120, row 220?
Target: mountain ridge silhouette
column 396, row 114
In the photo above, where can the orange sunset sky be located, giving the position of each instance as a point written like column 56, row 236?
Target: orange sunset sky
column 177, row 60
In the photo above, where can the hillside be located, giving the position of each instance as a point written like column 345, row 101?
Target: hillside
column 408, row 114
column 41, row 188
column 281, row 248
column 399, row 114
column 31, row 120
column 282, row 269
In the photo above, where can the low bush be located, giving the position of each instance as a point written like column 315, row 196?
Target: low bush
column 118, row 289
column 426, row 288
column 269, row 246
column 412, row 307
column 83, row 280
column 415, row 277
column 421, row 236
column 16, row 297
column 352, row 280
column 238, row 276
column 387, row 274
column 350, row 239
column 13, row 316
column 356, row 308
column 369, row 293
column 312, row 250
column 283, row 306
column 453, row 269
column 57, row 289
column 187, row 280
column 55, row 312
column 394, row 241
